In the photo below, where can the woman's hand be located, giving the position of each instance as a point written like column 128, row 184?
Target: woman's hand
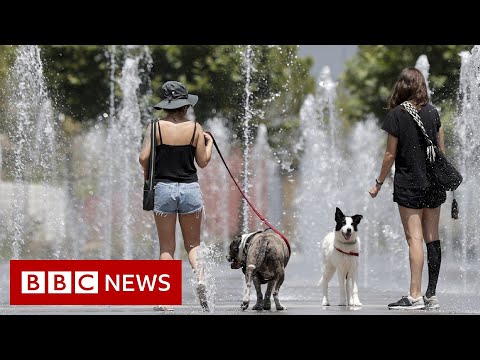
column 208, row 138
column 374, row 191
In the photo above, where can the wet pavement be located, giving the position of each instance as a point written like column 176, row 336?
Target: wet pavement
column 299, row 293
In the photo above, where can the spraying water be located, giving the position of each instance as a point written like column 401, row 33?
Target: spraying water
column 218, row 223
column 462, row 235
column 129, row 127
column 337, row 169
column 267, row 195
column 247, row 68
column 33, row 133
column 339, row 172
column 315, row 195
column 106, row 187
column 423, row 65
column 111, row 152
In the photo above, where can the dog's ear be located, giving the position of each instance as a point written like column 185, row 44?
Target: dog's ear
column 356, row 219
column 338, row 214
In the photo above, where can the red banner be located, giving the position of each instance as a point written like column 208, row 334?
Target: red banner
column 95, row 282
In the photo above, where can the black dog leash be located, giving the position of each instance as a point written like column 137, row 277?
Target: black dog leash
column 264, row 220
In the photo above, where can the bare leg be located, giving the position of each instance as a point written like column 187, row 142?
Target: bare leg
column 430, row 221
column 190, row 225
column 166, row 236
column 412, row 226
column 258, row 288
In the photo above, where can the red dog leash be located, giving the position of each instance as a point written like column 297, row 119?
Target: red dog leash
column 265, row 221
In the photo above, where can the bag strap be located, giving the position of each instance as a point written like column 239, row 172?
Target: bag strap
column 416, row 117
column 194, row 130
column 153, row 143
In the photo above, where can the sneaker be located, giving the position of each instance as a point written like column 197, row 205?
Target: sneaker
column 202, row 296
column 408, row 303
column 431, row 303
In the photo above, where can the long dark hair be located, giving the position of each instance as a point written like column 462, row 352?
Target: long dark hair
column 410, row 86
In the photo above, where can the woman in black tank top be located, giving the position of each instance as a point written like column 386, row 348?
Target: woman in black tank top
column 180, row 144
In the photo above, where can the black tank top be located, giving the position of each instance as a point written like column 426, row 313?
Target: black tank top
column 175, row 162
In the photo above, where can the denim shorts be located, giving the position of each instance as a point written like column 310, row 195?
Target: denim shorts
column 419, row 198
column 177, row 198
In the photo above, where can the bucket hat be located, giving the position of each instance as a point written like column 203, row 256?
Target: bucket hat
column 175, row 95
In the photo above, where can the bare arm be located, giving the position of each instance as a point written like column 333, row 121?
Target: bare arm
column 388, row 160
column 203, row 152
column 144, row 156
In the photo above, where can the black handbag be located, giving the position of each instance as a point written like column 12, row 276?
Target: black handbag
column 149, row 185
column 443, row 174
column 440, row 171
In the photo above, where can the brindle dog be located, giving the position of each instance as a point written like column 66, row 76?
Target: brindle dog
column 263, row 256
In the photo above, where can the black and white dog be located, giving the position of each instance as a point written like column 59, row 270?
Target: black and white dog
column 340, row 250
column 263, row 256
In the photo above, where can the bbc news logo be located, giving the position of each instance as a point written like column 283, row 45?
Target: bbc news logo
column 95, row 282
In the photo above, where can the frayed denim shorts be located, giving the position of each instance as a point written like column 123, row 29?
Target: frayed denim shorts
column 177, row 198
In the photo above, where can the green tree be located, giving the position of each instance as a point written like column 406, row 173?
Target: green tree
column 279, row 80
column 7, row 58
column 368, row 80
column 78, row 79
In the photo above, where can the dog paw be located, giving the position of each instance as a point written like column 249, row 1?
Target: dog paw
column 258, row 306
column 355, row 303
column 281, row 307
column 267, row 305
column 244, row 306
column 325, row 303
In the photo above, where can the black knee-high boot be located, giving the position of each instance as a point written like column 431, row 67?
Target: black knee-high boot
column 434, row 259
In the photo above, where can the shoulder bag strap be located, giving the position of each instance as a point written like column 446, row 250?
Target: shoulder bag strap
column 153, row 144
column 416, row 117
column 194, row 130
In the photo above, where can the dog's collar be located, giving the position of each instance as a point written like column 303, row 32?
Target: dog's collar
column 244, row 244
column 347, row 253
